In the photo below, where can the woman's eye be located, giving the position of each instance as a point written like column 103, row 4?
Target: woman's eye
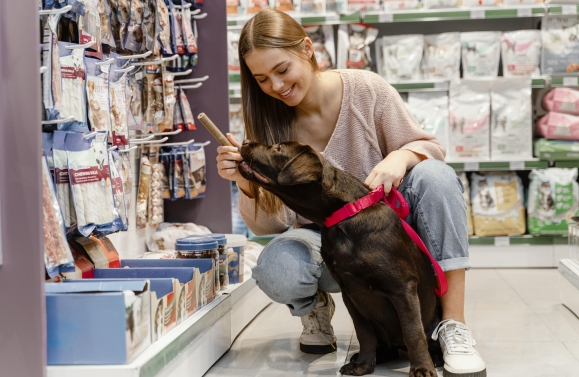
column 284, row 71
column 262, row 81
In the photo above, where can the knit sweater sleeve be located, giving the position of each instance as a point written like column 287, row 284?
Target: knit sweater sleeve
column 264, row 223
column 396, row 128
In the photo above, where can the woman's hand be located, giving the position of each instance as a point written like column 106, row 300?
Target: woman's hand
column 227, row 160
column 390, row 171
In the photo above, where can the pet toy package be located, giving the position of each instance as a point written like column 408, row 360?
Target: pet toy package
column 401, row 57
column 521, row 53
column 497, row 204
column 431, row 111
column 97, row 93
column 562, row 100
column 118, row 83
column 434, row 4
column 469, row 119
column 553, row 200
column 401, row 4
column 512, row 119
column 481, row 51
column 556, row 149
column 61, row 179
column 73, row 85
column 560, row 53
column 442, row 56
column 354, row 41
column 466, row 195
column 322, row 37
column 559, row 126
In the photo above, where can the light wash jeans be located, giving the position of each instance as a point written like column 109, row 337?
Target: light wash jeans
column 290, row 270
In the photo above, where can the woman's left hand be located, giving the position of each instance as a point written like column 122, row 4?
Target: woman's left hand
column 390, row 171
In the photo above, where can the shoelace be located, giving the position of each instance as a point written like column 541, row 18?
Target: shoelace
column 457, row 337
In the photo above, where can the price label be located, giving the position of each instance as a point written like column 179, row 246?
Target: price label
column 524, row 12
column 332, row 17
column 443, row 85
column 386, row 17
column 477, row 14
column 517, row 165
column 502, row 241
column 471, row 166
column 569, row 9
column 570, row 81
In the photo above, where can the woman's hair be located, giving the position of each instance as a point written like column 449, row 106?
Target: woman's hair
column 267, row 119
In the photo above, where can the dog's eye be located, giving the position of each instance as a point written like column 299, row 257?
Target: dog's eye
column 279, row 148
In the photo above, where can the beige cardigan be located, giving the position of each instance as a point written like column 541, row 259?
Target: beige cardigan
column 373, row 122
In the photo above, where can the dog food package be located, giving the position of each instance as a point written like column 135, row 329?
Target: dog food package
column 51, row 80
column 323, row 40
column 135, row 117
column 236, row 125
column 118, row 189
column 556, row 149
column 478, row 3
column 90, row 180
column 442, row 56
column 553, row 200
column 560, row 52
column 401, row 57
column 164, row 28
column 105, row 14
column 366, row 5
column 469, row 119
column 562, row 100
column 497, row 204
column 61, row 178
column 521, row 52
column 354, row 42
column 401, row 4
column 143, row 191
column 512, row 119
column 178, row 175
column 197, row 169
column 89, row 27
column 430, row 109
column 149, row 26
column 98, row 95
column 559, row 126
column 466, row 195
column 481, row 51
column 73, row 84
column 435, row 4
column 135, row 33
column 118, row 83
column 188, row 120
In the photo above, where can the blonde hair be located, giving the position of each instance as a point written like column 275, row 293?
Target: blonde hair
column 268, row 120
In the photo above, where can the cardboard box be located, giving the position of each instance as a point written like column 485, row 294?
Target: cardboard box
column 97, row 322
column 100, row 250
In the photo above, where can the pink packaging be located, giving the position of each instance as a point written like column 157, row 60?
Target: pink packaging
column 559, row 126
column 562, row 100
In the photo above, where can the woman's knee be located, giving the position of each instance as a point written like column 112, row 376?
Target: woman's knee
column 433, row 176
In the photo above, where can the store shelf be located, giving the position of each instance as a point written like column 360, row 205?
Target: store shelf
column 425, row 86
column 328, row 18
column 499, row 165
column 563, row 9
column 567, row 164
column 517, row 240
column 193, row 346
column 565, row 81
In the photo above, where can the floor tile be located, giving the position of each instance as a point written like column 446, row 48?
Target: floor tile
column 534, row 286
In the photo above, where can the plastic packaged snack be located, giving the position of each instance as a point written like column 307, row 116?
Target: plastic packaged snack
column 118, row 189
column 167, row 180
column 149, row 26
column 89, row 27
column 562, row 100
column 178, row 174
column 497, row 204
column 176, row 30
column 143, row 191
column 123, row 164
column 236, row 125
column 135, row 34
column 73, row 83
column 105, row 14
column 442, row 56
column 188, row 119
column 431, row 111
column 195, row 154
column 401, row 57
column 98, row 95
column 560, row 52
column 433, row 4
column 354, row 42
column 313, row 6
column 189, row 32
column 51, row 80
column 481, row 51
column 512, row 119
column 558, row 126
column 61, row 179
column 553, row 200
column 170, row 99
column 178, row 122
column 232, row 51
column 135, row 119
column 469, row 119
column 164, row 25
column 155, row 202
column 555, row 150
column 322, row 37
column 401, row 4
column 466, row 195
column 521, row 53
column 118, row 84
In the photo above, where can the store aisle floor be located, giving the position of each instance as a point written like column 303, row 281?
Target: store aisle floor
column 520, row 327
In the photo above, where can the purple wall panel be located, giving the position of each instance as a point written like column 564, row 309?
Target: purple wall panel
column 213, row 211
column 22, row 304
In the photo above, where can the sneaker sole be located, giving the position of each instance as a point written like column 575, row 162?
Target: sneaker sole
column 318, row 349
column 482, row 373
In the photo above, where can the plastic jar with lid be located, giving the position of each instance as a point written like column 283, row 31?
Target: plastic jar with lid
column 222, row 250
column 197, row 248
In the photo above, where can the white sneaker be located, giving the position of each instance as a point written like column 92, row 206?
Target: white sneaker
column 318, row 335
column 461, row 359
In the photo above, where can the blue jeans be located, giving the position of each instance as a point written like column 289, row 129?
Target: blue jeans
column 290, row 270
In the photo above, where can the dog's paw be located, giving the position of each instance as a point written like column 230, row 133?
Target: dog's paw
column 423, row 371
column 357, row 369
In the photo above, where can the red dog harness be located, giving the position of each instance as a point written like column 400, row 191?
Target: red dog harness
column 392, row 199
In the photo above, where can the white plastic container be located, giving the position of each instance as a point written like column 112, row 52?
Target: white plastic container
column 236, row 244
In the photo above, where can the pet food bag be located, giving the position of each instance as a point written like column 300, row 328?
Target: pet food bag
column 118, row 84
column 466, row 195
column 560, row 53
column 558, row 126
column 521, row 52
column 431, row 111
column 236, row 125
column 435, row 4
column 354, row 42
column 557, row 149
column 73, row 85
column 562, row 100
column 481, row 51
column 366, row 5
column 401, row 57
column 313, row 6
column 497, row 204
column 322, row 37
column 512, row 119
column 197, row 168
column 61, row 179
column 401, row 4
column 469, row 119
column 235, row 7
column 553, row 200
column 98, row 95
column 442, row 56
column 232, row 52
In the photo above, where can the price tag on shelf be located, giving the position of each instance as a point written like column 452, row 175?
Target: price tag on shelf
column 517, row 165
column 443, row 85
column 571, row 81
column 471, row 166
column 332, row 17
column 502, row 241
column 477, row 14
column 524, row 12
column 569, row 9
column 386, row 17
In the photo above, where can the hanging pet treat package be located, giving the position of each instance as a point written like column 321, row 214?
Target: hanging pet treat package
column 124, row 168
column 148, row 101
column 354, row 42
column 143, row 190
column 135, row 35
column 135, row 119
column 497, row 204
column 118, row 83
column 178, row 175
column 97, row 93
column 61, row 178
column 466, row 195
column 401, row 57
column 366, row 5
column 158, row 103
column 558, row 126
column 188, row 120
column 170, row 99
column 431, row 112
column 232, row 54
column 555, row 150
column 521, row 53
column 73, row 83
column 178, row 122
column 165, row 158
column 149, row 25
column 176, row 30
column 469, row 119
column 118, row 189
column 312, row 6
column 481, row 51
column 105, row 15
column 322, row 37
column 51, row 80
column 336, row 5
column 562, row 100
column 560, row 52
column 155, row 205
column 401, row 4
column 435, row 4
column 190, row 36
column 254, row 6
column 442, row 56
column 182, row 150
column 89, row 27
column 195, row 154
column 553, row 201
column 512, row 119
column 164, row 28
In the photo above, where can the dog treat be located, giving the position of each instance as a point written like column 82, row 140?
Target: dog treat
column 73, row 76
column 323, row 40
column 521, row 53
column 135, row 93
column 401, row 57
column 189, row 36
column 188, row 120
column 177, row 30
column 61, row 180
column 169, row 98
column 89, row 27
column 51, row 80
column 149, row 97
column 97, row 93
column 118, row 189
column 155, row 205
column 135, row 35
column 149, row 25
column 212, row 128
column 158, row 103
column 178, row 174
column 497, row 204
column 512, row 119
column 560, row 52
column 442, row 56
column 466, row 195
column 481, row 51
column 354, row 42
column 167, row 179
column 431, row 111
column 553, row 200
column 195, row 155
column 124, row 168
column 562, row 100
column 118, row 84
column 122, row 9
column 105, row 14
column 164, row 28
column 143, row 192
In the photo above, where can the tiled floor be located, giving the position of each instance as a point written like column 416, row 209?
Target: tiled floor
column 520, row 327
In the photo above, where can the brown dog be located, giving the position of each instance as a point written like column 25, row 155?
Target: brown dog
column 387, row 283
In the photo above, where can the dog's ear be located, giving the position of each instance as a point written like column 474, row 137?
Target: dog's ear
column 304, row 168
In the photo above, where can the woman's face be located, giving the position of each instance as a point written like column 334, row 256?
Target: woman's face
column 281, row 74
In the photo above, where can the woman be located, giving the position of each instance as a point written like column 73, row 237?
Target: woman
column 359, row 124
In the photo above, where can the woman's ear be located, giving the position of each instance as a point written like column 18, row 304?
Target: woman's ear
column 308, row 47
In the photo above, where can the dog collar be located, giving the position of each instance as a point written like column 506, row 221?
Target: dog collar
column 396, row 201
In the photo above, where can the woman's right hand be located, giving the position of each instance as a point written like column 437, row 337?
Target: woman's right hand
column 227, row 160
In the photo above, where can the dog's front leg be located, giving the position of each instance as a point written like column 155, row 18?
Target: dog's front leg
column 366, row 360
column 407, row 306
